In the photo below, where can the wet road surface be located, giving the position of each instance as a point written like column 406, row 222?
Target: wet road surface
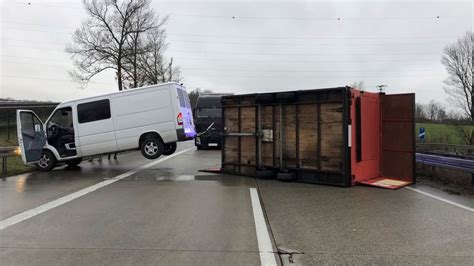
column 166, row 214
column 367, row 225
column 170, row 213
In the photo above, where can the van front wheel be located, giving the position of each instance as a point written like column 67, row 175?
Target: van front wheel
column 47, row 161
column 169, row 148
column 152, row 148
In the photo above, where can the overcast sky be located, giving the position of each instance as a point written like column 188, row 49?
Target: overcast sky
column 249, row 46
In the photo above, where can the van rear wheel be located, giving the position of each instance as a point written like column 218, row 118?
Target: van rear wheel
column 47, row 161
column 152, row 148
column 169, row 148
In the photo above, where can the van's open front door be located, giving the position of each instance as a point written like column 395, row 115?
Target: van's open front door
column 31, row 137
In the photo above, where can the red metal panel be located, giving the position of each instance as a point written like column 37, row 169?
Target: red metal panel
column 398, row 141
column 369, row 165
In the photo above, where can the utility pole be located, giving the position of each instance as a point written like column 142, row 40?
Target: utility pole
column 381, row 88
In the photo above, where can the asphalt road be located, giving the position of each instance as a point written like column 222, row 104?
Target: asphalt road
column 170, row 214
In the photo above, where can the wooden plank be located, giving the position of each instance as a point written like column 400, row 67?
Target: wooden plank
column 331, row 113
column 267, row 147
column 231, row 150
column 276, row 137
column 308, row 136
column 297, row 128
column 318, row 125
column 289, row 135
column 267, row 154
column 247, row 119
column 231, row 120
column 332, row 137
column 274, row 140
column 239, row 144
column 247, row 153
column 267, row 119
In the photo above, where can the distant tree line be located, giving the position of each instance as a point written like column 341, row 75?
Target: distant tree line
column 435, row 112
column 125, row 36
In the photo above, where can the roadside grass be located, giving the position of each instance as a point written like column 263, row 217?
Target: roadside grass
column 442, row 133
column 15, row 165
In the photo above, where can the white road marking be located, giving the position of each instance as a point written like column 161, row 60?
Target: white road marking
column 58, row 202
column 441, row 199
column 265, row 247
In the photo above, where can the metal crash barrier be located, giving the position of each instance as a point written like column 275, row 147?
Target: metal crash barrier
column 6, row 152
column 447, row 162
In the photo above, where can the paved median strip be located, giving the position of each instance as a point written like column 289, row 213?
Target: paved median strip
column 267, row 256
column 58, row 202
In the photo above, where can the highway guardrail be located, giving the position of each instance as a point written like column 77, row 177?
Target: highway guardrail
column 461, row 151
column 461, row 164
column 6, row 152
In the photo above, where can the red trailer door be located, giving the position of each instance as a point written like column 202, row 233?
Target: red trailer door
column 383, row 152
column 398, row 140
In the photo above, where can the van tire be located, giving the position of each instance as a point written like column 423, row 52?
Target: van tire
column 73, row 162
column 152, row 148
column 47, row 161
column 169, row 148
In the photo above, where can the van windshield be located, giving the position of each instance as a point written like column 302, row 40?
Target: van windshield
column 62, row 117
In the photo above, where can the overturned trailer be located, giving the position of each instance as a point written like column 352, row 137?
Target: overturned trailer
column 336, row 136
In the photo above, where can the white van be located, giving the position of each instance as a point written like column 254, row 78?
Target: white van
column 151, row 119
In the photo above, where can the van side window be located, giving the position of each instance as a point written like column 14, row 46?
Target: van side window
column 93, row 111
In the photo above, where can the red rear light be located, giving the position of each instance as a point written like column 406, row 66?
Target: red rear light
column 180, row 119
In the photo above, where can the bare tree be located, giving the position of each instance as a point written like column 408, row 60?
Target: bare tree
column 101, row 41
column 143, row 21
column 359, row 85
column 152, row 63
column 420, row 113
column 458, row 59
column 432, row 110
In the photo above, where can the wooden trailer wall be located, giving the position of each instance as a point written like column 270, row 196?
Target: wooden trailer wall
column 314, row 142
